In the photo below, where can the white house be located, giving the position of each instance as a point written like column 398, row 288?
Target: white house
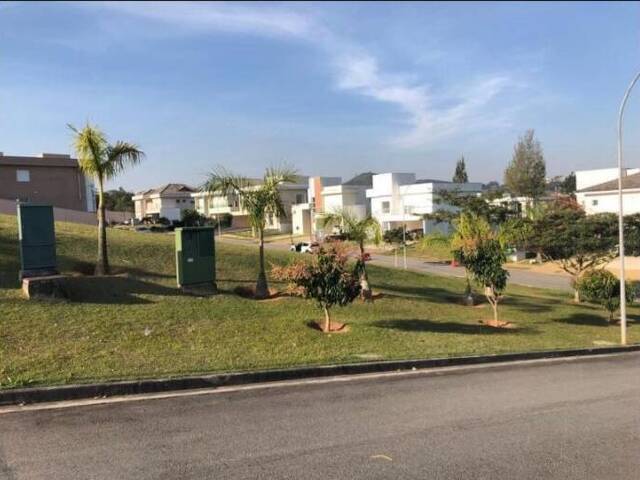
column 328, row 194
column 216, row 205
column 589, row 178
column 167, row 201
column 399, row 199
column 603, row 197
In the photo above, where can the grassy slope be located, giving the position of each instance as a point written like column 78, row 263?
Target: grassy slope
column 138, row 325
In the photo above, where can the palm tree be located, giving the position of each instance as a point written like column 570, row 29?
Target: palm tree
column 359, row 230
column 101, row 160
column 259, row 201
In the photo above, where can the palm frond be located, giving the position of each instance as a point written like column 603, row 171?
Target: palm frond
column 90, row 144
column 277, row 175
column 119, row 155
column 222, row 181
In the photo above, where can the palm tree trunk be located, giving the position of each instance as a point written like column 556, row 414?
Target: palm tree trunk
column 364, row 278
column 102, row 265
column 262, row 288
column 327, row 320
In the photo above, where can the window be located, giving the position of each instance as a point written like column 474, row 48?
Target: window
column 23, row 176
column 594, row 203
column 299, row 197
column 386, row 207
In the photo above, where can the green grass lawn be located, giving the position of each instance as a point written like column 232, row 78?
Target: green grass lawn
column 434, row 253
column 137, row 324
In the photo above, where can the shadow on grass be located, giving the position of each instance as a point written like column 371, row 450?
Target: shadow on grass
column 114, row 290
column 593, row 320
column 414, row 325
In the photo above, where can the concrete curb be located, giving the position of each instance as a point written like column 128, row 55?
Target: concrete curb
column 109, row 389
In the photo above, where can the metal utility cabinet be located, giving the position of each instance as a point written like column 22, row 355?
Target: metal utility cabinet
column 37, row 237
column 195, row 257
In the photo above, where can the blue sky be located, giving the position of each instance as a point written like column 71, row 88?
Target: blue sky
column 334, row 89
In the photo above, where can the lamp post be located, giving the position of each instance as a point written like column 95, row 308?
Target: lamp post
column 623, row 299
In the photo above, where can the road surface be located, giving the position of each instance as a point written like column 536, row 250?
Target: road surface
column 575, row 420
column 517, row 276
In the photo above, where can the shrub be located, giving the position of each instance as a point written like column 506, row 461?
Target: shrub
column 192, row 218
column 603, row 287
column 329, row 279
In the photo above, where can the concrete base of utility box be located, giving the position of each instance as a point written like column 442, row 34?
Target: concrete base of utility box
column 52, row 286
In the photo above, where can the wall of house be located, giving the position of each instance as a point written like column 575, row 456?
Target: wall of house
column 607, row 202
column 60, row 186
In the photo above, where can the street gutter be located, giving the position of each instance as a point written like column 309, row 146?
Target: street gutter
column 24, row 396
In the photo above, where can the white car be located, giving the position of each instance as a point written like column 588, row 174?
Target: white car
column 303, row 247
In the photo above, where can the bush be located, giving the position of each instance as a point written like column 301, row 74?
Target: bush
column 603, row 287
column 191, row 218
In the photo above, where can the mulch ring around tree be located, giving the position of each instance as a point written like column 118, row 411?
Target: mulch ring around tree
column 499, row 324
column 336, row 327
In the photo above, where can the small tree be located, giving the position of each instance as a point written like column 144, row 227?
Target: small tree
column 603, row 287
column 327, row 279
column 359, row 230
column 526, row 173
column 485, row 262
column 477, row 248
column 460, row 175
column 101, row 160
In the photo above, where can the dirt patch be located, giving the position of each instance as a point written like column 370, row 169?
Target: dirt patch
column 499, row 324
column 336, row 327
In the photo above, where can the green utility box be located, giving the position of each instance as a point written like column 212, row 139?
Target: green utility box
column 37, row 238
column 195, row 257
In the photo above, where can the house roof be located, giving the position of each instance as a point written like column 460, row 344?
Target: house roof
column 362, row 179
column 168, row 189
column 44, row 160
column 628, row 181
column 431, row 180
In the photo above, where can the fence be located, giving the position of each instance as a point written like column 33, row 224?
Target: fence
column 66, row 215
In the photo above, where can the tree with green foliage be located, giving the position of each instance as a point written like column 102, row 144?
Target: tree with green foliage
column 360, row 231
column 259, row 201
column 327, row 279
column 478, row 249
column 603, row 287
column 575, row 241
column 118, row 200
column 480, row 205
column 192, row 218
column 460, row 175
column 568, row 185
column 525, row 174
column 103, row 161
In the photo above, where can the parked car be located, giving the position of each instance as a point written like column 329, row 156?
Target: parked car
column 304, row 247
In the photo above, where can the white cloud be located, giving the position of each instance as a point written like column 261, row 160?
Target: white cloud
column 430, row 116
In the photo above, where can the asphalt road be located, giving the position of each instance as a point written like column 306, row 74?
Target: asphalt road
column 516, row 276
column 575, row 420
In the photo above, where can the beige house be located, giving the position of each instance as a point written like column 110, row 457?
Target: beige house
column 215, row 205
column 49, row 178
column 167, row 201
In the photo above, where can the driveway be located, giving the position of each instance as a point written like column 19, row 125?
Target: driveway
column 570, row 420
